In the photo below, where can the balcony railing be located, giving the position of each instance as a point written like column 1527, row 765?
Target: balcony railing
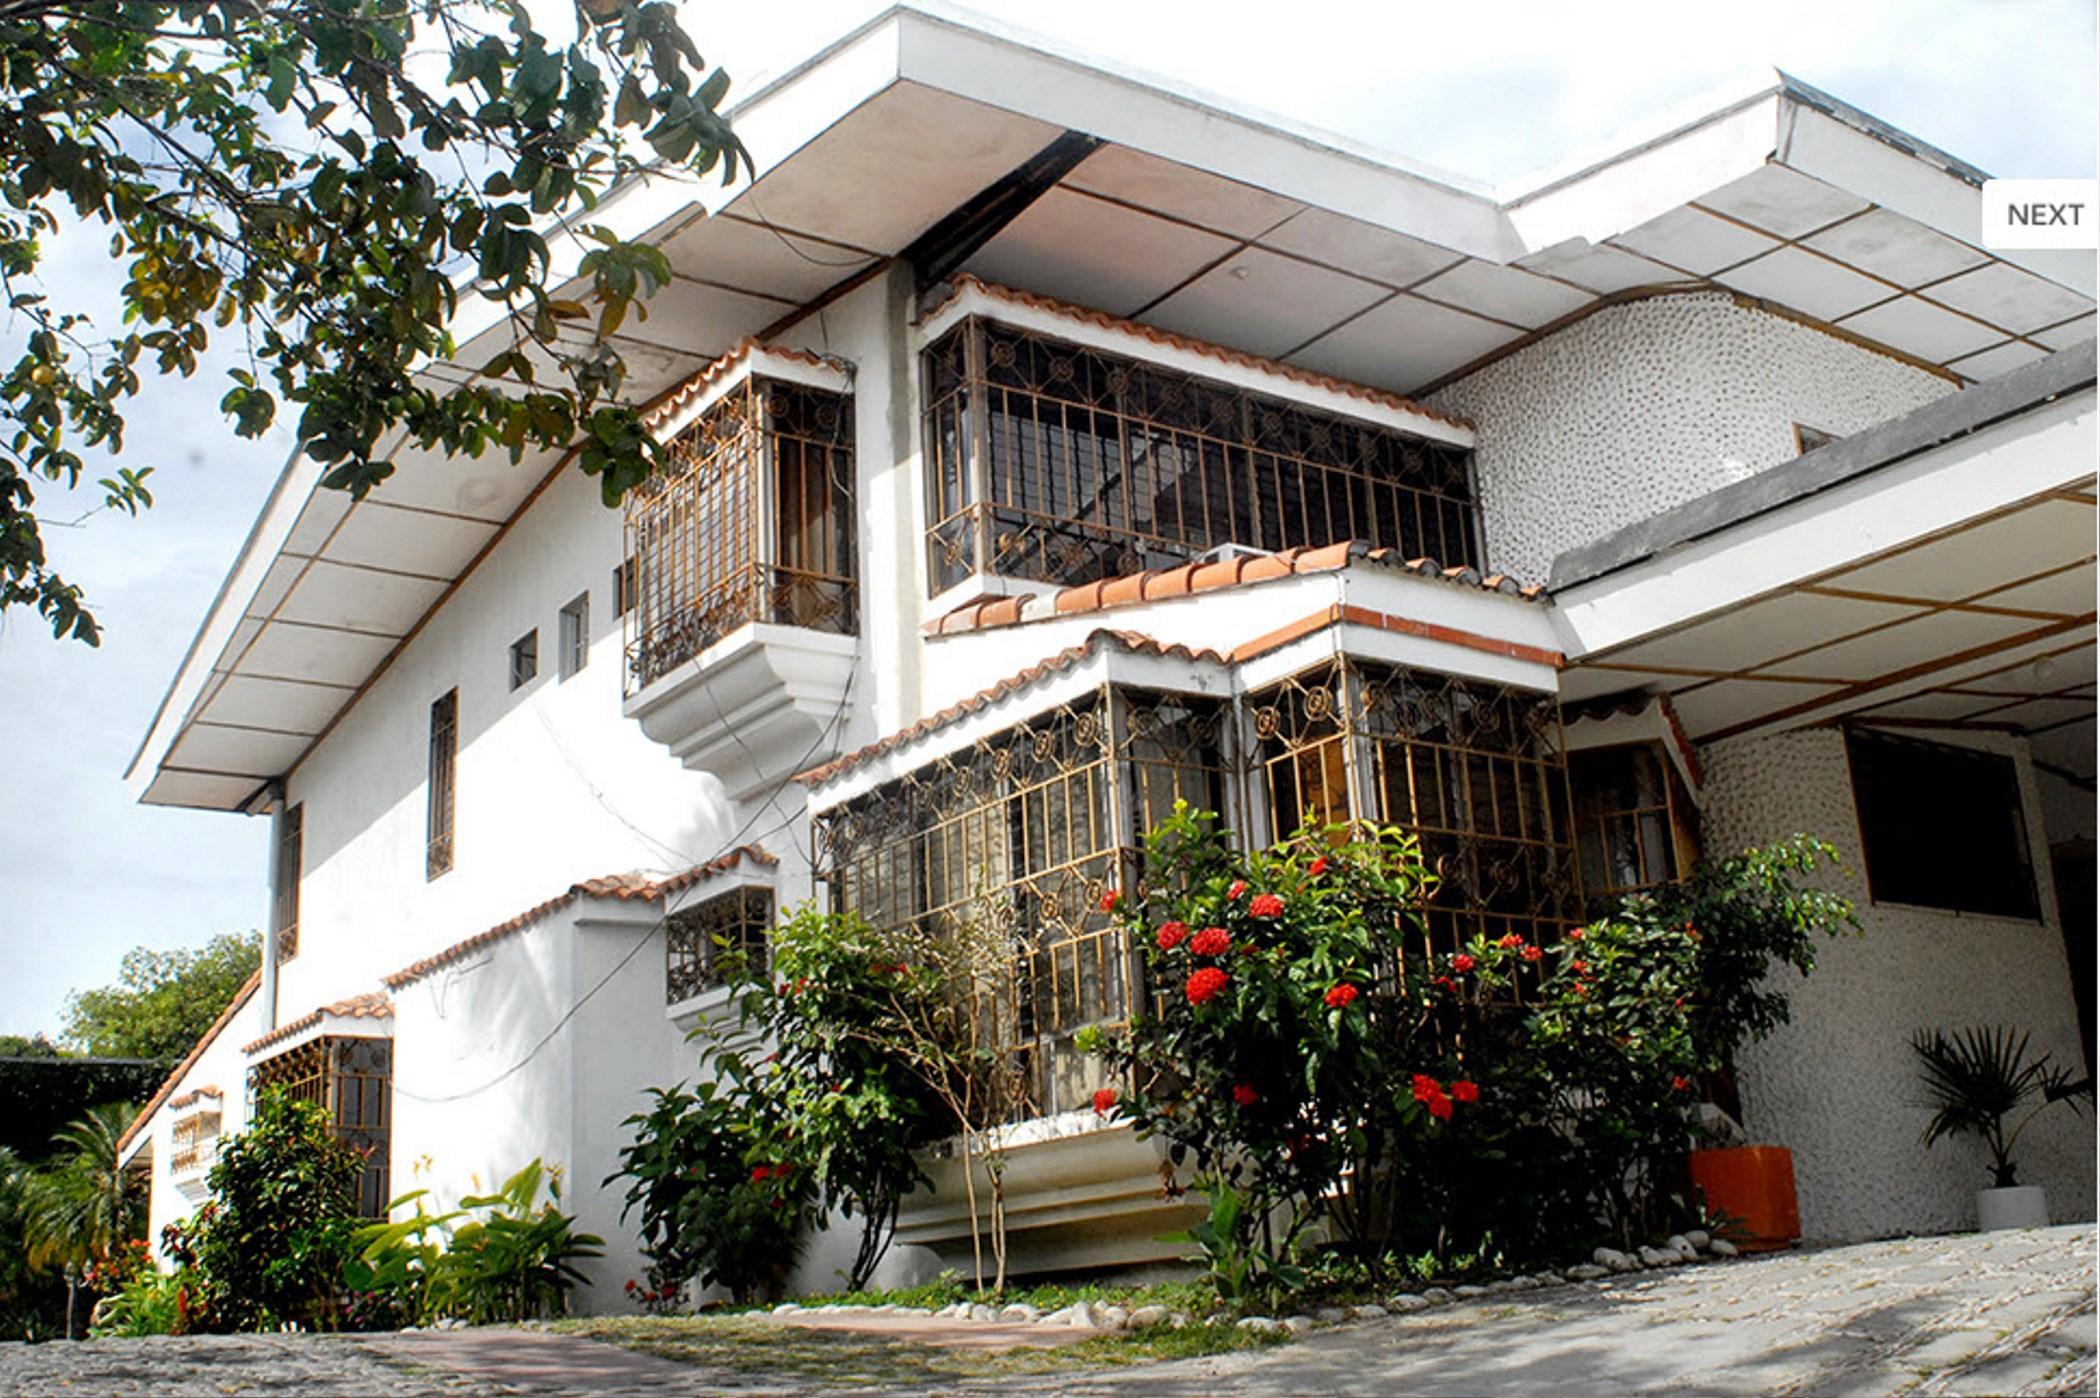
column 1056, row 462
column 754, row 522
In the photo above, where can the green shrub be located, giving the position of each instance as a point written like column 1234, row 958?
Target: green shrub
column 152, row 1303
column 502, row 1257
column 717, row 1196
column 271, row 1243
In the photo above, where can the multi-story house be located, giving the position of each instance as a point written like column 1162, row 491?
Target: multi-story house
column 1054, row 444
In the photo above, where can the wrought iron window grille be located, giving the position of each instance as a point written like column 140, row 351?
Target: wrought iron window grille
column 754, row 521
column 708, row 944
column 352, row 1081
column 1054, row 462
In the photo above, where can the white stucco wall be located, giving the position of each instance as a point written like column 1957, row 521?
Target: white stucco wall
column 1649, row 404
column 1839, row 1084
column 223, row 1066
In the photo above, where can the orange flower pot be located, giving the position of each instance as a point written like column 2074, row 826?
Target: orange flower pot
column 1754, row 1187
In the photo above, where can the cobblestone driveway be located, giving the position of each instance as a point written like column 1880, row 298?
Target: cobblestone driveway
column 2003, row 1313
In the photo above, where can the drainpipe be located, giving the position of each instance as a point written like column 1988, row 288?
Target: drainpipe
column 274, row 795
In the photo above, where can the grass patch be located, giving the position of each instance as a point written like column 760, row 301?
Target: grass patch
column 749, row 1347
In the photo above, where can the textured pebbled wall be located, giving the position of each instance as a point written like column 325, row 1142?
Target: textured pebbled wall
column 1649, row 404
column 1838, row 1085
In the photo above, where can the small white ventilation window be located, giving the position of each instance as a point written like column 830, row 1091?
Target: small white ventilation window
column 575, row 635
column 524, row 659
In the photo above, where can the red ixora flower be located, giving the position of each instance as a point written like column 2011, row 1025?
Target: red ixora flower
column 1681, row 1084
column 1172, row 935
column 1340, row 995
column 1533, row 953
column 1239, row 886
column 1265, row 905
column 760, row 1173
column 1211, row 941
column 1461, row 963
column 1206, row 983
column 1104, row 1101
column 1431, row 1095
column 1465, row 1090
column 1581, row 968
column 1575, row 934
column 1316, row 868
column 1510, row 939
column 1244, row 1095
column 1446, row 984
column 1109, row 900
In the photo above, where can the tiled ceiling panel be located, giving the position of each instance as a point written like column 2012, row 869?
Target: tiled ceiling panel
column 1263, row 303
column 1896, row 248
column 1403, row 344
column 1926, row 331
column 1695, row 242
column 2006, row 296
column 1502, row 293
column 1096, row 253
column 1783, row 202
column 1211, row 201
column 1599, row 267
column 1804, row 282
column 1354, row 246
column 266, row 703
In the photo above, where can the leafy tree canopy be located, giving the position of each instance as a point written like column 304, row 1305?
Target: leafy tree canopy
column 163, row 1001
column 326, row 181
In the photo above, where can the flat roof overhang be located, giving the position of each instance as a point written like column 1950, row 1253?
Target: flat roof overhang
column 1937, row 571
column 1213, row 222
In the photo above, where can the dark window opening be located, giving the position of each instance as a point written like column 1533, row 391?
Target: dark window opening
column 444, row 764
column 1635, row 827
column 284, row 902
column 524, row 659
column 1941, row 826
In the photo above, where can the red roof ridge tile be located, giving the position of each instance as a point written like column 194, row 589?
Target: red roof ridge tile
column 1206, row 348
column 704, row 378
column 1187, row 579
column 1134, row 641
column 189, row 1060
column 629, row 887
column 368, row 1004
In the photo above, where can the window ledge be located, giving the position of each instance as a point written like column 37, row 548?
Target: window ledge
column 756, row 707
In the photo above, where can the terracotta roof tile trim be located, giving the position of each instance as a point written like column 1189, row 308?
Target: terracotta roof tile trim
column 1161, row 583
column 189, row 1060
column 1129, row 641
column 1239, row 358
column 370, row 1005
column 718, row 369
column 625, row 887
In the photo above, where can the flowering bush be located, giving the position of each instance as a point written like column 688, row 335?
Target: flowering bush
column 1270, row 1073
column 1509, row 1096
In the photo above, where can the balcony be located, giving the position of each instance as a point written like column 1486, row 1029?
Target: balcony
column 746, row 604
column 1058, row 461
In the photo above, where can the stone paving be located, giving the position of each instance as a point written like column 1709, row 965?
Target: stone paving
column 1997, row 1313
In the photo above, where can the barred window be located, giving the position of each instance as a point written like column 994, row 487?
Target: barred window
column 1012, row 841
column 195, row 1141
column 706, row 943
column 352, row 1080
column 284, row 882
column 444, row 763
column 1635, row 826
column 753, row 521
column 1471, row 769
column 1063, row 464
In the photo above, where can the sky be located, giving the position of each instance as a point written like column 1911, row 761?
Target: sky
column 1491, row 91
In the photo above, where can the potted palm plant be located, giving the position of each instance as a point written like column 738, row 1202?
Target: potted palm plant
column 1978, row 1081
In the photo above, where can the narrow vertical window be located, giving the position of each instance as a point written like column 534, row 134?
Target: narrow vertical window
column 623, row 587
column 524, row 659
column 444, row 765
column 284, row 882
column 575, row 635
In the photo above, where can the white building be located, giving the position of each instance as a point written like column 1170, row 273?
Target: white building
column 1063, row 442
